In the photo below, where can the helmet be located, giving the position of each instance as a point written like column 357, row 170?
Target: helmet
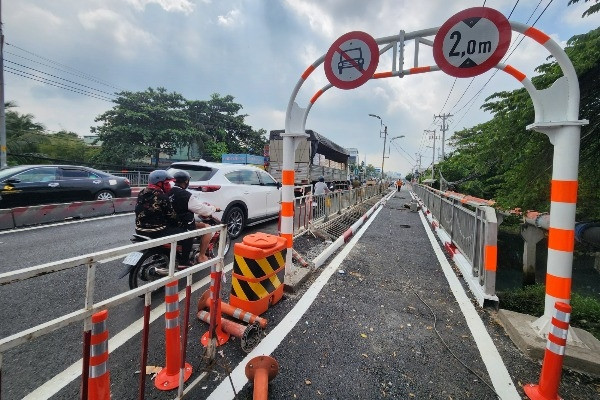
column 181, row 176
column 321, row 179
column 160, row 175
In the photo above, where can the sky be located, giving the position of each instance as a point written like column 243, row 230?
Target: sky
column 256, row 51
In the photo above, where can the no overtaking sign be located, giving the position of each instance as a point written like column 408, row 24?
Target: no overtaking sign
column 351, row 60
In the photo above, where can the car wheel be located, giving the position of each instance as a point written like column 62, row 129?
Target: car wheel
column 235, row 221
column 105, row 195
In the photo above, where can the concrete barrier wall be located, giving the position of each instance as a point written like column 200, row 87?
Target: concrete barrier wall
column 124, row 204
column 23, row 216
column 6, row 219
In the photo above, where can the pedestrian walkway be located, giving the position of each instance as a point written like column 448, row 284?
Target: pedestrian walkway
column 386, row 318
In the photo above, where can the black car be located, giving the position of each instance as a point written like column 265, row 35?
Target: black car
column 29, row 185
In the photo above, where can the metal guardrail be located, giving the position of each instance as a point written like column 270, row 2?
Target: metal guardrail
column 473, row 232
column 311, row 210
column 90, row 261
column 136, row 178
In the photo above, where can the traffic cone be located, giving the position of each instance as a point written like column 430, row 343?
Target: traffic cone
column 553, row 357
column 99, row 376
column 168, row 377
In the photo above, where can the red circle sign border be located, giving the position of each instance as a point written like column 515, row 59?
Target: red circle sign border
column 368, row 73
column 504, row 33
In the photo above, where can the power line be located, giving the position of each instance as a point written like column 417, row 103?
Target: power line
column 451, row 89
column 56, row 84
column 58, row 77
column 57, row 63
column 63, row 70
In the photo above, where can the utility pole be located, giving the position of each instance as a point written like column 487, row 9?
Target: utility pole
column 3, row 163
column 384, row 126
column 384, row 140
column 417, row 171
column 444, row 128
column 432, row 133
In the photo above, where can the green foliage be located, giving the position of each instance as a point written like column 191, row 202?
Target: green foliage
column 65, row 146
column 593, row 9
column 370, row 171
column 217, row 123
column 23, row 135
column 502, row 160
column 530, row 300
column 143, row 124
column 154, row 122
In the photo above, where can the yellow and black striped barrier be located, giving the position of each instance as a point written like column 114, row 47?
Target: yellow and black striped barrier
column 258, row 272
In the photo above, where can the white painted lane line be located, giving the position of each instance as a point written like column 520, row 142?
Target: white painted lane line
column 107, row 260
column 503, row 384
column 59, row 381
column 276, row 336
column 75, row 221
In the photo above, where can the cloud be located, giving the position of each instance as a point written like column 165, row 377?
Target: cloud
column 230, row 18
column 129, row 37
column 318, row 19
column 184, row 6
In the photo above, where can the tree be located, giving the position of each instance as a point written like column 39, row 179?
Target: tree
column 593, row 9
column 218, row 127
column 143, row 124
column 370, row 171
column 23, row 135
column 67, row 146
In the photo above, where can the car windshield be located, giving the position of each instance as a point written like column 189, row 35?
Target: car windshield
column 10, row 171
column 197, row 172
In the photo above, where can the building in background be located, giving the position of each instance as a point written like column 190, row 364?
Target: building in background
column 353, row 158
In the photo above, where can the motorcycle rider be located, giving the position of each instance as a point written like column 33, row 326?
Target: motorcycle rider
column 186, row 205
column 155, row 216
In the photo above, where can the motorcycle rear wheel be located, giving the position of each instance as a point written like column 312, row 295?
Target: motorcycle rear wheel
column 213, row 250
column 145, row 269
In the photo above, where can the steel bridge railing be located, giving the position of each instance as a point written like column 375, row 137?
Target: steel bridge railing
column 472, row 227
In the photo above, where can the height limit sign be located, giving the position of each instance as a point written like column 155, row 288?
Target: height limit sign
column 472, row 42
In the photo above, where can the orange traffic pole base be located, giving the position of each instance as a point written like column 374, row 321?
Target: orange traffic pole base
column 221, row 336
column 238, row 313
column 166, row 381
column 534, row 393
column 261, row 370
column 249, row 335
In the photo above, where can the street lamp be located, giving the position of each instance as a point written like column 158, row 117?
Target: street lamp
column 384, row 139
column 390, row 146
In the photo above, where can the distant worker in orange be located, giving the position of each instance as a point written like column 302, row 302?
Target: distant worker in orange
column 399, row 184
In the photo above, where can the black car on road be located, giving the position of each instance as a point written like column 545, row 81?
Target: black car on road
column 29, row 185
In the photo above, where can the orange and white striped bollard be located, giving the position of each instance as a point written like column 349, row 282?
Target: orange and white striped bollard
column 99, row 376
column 168, row 377
column 553, row 357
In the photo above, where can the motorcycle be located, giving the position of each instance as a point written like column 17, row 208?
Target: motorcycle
column 153, row 263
